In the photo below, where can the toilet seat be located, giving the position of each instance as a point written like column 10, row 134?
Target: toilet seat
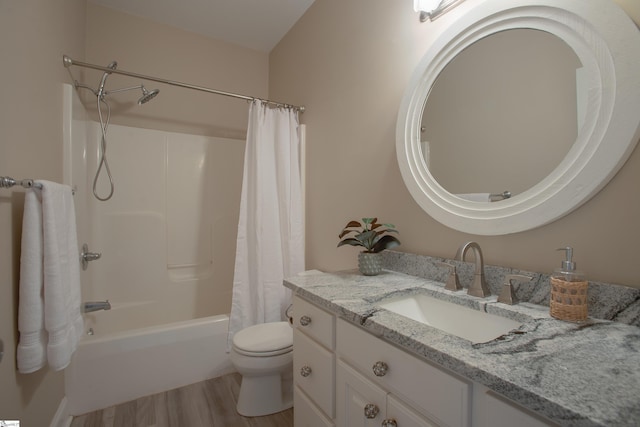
column 264, row 340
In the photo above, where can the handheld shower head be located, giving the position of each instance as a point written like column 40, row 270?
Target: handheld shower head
column 113, row 65
column 147, row 95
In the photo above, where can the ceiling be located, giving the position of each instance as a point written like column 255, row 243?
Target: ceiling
column 255, row 24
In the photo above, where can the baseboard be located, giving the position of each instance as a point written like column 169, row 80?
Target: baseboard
column 61, row 417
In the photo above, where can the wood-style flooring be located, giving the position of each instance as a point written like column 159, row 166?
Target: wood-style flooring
column 210, row 403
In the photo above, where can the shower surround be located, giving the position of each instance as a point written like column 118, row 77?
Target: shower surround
column 167, row 239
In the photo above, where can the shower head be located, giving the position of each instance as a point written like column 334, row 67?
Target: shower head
column 147, row 95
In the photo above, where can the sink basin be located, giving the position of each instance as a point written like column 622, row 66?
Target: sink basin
column 464, row 322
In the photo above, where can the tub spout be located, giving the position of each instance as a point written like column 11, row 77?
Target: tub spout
column 90, row 306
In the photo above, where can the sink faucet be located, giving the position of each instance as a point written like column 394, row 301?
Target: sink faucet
column 478, row 287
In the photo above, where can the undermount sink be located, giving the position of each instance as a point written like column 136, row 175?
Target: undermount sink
column 464, row 322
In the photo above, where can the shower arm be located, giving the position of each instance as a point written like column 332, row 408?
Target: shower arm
column 124, row 89
column 77, row 84
column 68, row 62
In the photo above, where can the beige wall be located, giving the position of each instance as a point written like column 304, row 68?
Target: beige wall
column 349, row 64
column 33, row 37
column 145, row 47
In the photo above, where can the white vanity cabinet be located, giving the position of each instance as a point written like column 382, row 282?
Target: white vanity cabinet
column 313, row 365
column 438, row 398
column 361, row 403
column 346, row 377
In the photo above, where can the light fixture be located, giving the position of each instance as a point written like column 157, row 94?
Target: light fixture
column 432, row 9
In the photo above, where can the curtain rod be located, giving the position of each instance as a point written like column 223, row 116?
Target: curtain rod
column 68, row 62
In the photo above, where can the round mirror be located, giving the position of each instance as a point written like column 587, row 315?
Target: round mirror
column 514, row 113
column 536, row 98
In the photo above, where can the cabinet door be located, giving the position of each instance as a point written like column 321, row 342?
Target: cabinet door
column 405, row 416
column 437, row 394
column 306, row 414
column 359, row 402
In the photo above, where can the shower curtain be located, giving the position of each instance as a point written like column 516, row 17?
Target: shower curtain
column 270, row 243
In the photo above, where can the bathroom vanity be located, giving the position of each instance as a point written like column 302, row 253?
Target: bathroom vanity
column 357, row 364
column 360, row 362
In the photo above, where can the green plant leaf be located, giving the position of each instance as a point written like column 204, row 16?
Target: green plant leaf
column 351, row 242
column 370, row 234
column 385, row 242
column 367, row 238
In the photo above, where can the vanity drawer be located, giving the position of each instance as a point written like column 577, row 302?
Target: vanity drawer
column 313, row 321
column 314, row 371
column 439, row 395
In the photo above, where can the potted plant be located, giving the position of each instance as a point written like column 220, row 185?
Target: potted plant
column 373, row 237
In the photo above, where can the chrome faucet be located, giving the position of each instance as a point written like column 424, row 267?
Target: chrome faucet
column 88, row 307
column 478, row 287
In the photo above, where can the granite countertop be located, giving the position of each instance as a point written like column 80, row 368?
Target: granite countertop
column 585, row 374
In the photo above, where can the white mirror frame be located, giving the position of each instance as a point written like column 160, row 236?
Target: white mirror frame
column 606, row 41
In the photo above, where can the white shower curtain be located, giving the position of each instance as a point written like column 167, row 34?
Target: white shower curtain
column 270, row 243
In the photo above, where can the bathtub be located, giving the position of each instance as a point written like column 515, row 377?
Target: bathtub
column 123, row 366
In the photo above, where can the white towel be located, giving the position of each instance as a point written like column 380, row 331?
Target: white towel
column 476, row 197
column 31, row 352
column 57, row 284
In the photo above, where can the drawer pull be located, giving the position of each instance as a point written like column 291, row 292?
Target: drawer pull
column 305, row 320
column 389, row 422
column 380, row 369
column 305, row 371
column 371, row 410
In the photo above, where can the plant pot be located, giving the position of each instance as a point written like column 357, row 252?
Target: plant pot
column 370, row 264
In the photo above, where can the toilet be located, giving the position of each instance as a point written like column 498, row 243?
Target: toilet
column 263, row 355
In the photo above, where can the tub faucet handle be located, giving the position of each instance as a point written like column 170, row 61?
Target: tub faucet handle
column 87, row 256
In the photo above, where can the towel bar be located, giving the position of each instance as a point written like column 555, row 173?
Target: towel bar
column 8, row 182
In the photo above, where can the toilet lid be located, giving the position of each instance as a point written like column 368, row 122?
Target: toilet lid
column 266, row 339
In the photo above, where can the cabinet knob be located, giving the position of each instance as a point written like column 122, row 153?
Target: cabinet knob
column 305, row 371
column 389, row 422
column 380, row 369
column 305, row 320
column 371, row 410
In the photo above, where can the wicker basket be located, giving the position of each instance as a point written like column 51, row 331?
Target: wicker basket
column 568, row 300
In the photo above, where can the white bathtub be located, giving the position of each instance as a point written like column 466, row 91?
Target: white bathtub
column 124, row 366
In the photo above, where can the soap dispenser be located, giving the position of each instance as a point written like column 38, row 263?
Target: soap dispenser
column 568, row 291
